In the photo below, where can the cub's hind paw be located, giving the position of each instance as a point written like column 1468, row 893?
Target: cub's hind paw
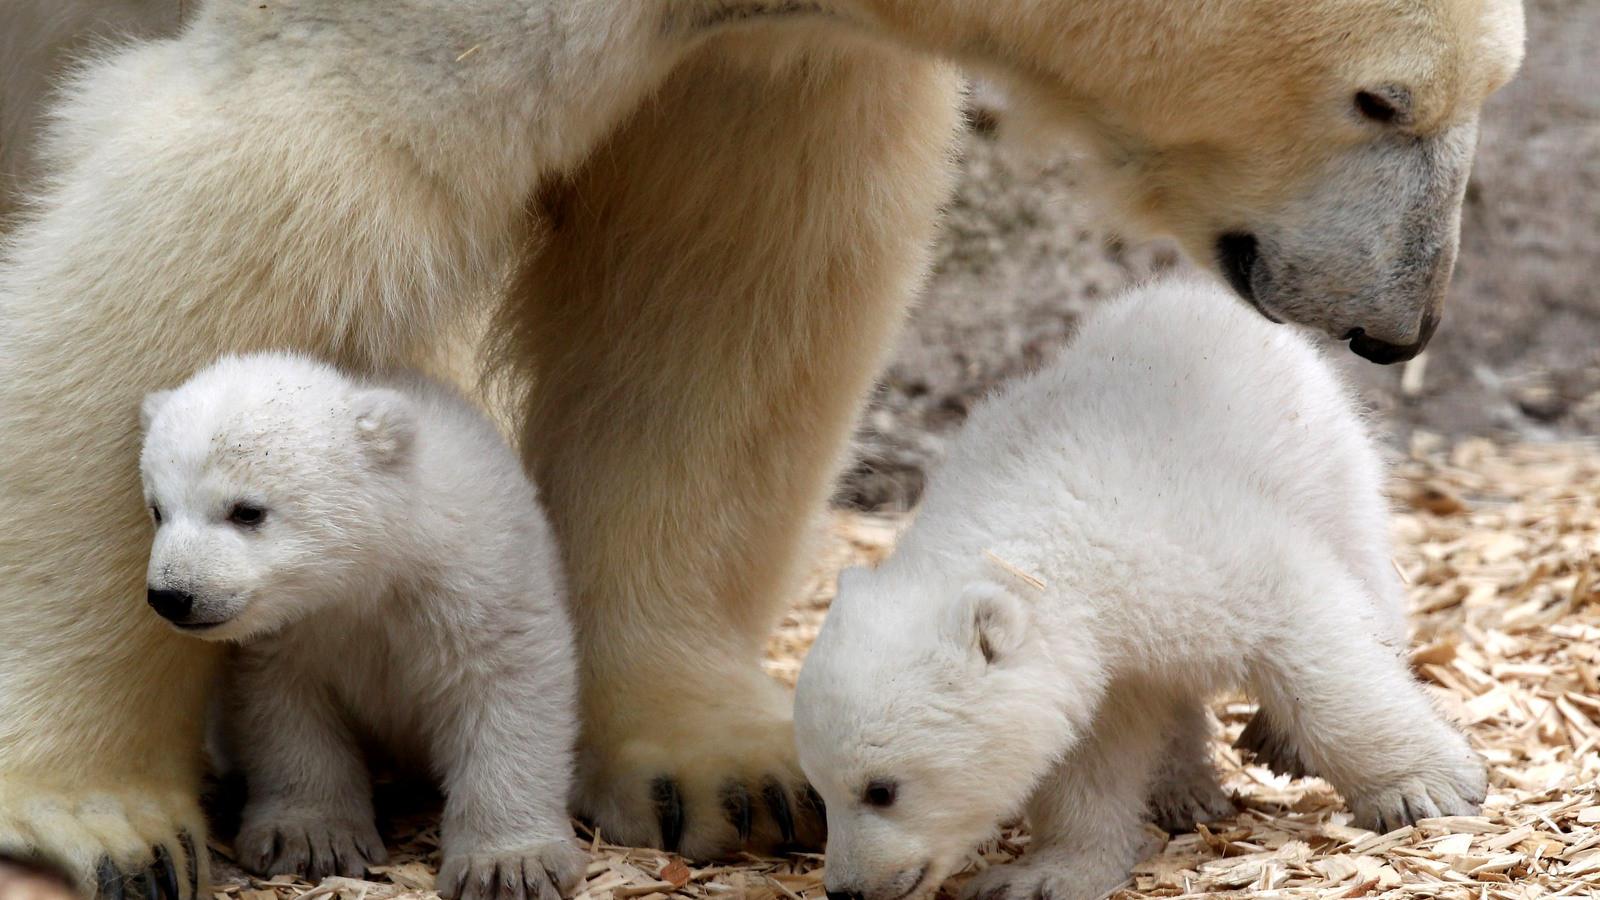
column 1177, row 805
column 1264, row 742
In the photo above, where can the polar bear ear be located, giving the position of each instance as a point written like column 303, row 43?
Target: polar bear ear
column 150, row 407
column 992, row 623
column 386, row 425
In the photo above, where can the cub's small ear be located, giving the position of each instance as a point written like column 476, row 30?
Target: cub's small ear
column 386, row 425
column 150, row 407
column 992, row 622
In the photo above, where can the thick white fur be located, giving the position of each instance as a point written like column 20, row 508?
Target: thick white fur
column 1184, row 502
column 715, row 212
column 402, row 586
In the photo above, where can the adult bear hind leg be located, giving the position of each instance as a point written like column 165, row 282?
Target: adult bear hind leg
column 720, row 285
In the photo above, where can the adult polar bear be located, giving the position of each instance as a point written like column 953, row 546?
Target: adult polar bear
column 731, row 202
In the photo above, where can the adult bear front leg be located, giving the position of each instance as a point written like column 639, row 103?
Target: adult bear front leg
column 330, row 178
column 721, row 284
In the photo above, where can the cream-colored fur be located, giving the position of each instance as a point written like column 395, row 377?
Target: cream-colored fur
column 731, row 204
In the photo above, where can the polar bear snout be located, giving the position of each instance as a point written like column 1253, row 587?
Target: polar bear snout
column 173, row 605
column 190, row 611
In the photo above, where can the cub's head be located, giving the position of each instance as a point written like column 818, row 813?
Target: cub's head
column 1314, row 154
column 270, row 480
column 923, row 717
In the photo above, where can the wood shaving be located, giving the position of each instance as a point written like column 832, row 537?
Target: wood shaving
column 1499, row 547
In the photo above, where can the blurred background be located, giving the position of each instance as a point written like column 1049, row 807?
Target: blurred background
column 1516, row 357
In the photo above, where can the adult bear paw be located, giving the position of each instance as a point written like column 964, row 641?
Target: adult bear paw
column 704, row 777
column 547, row 871
column 125, row 843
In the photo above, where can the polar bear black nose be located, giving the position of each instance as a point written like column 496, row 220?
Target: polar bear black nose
column 171, row 605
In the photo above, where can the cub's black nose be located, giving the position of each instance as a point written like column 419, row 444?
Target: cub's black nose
column 845, row 895
column 174, row 606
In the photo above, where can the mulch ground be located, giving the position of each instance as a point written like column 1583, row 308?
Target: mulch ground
column 1500, row 547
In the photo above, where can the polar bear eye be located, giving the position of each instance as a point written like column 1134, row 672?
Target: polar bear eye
column 246, row 515
column 155, row 513
column 880, row 792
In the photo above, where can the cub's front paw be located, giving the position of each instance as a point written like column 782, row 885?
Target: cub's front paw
column 542, row 872
column 702, row 776
column 124, row 844
column 1449, row 782
column 1084, row 875
column 309, row 843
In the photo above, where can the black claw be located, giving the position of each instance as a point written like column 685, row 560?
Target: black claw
column 669, row 811
column 777, row 800
column 109, row 879
column 191, row 864
column 147, row 885
column 165, row 874
column 737, row 806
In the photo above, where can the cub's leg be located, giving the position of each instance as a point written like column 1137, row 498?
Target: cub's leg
column 1087, row 818
column 1186, row 789
column 505, row 748
column 721, row 284
column 309, row 805
column 1350, row 508
column 1352, row 709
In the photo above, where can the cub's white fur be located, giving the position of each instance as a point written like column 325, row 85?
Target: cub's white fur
column 1185, row 502
column 380, row 554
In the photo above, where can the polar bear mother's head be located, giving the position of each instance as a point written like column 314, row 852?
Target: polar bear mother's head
column 1314, row 153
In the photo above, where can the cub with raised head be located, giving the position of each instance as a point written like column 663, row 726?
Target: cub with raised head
column 1185, row 502
column 378, row 553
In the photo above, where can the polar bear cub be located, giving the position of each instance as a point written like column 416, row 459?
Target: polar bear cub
column 1185, row 502
column 378, row 553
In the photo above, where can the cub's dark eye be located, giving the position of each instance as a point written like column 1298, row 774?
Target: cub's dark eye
column 246, row 515
column 880, row 792
column 1376, row 107
column 155, row 513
